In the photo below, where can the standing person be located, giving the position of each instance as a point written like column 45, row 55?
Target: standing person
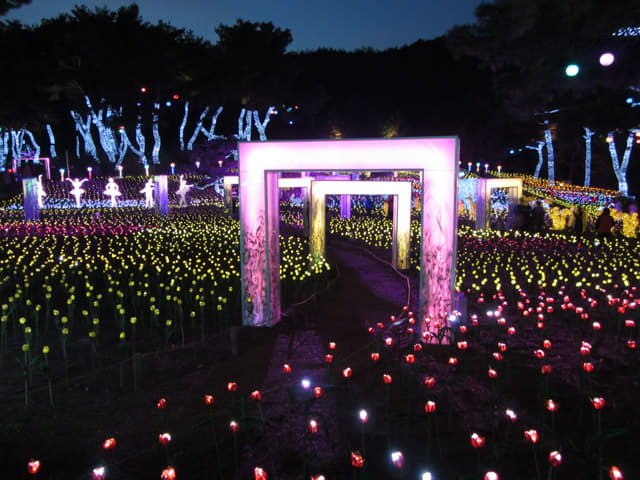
column 537, row 217
column 604, row 224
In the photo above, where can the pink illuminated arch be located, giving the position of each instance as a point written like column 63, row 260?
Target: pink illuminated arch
column 259, row 165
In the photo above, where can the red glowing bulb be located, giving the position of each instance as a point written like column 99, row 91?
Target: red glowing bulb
column 313, row 426
column 453, row 361
column 386, row 378
column 615, row 473
column 502, row 347
column 233, row 426
column 317, row 392
column 410, row 358
column 497, row 355
column 33, row 466
column 555, row 458
column 375, row 356
column 109, row 444
column 286, row 368
column 430, row 382
column 510, row 415
column 208, row 399
column 430, row 406
column 463, row 345
column 531, row 436
column 491, row 476
column 417, row 347
column 598, row 402
column 256, row 395
column 551, row 405
column 328, row 358
column 162, row 403
column 493, row 373
column 545, row 369
column 388, row 341
column 332, row 345
column 259, row 473
column 587, row 367
column 477, row 441
column 164, row 438
column 357, row 460
column 168, row 473
column 232, row 386
column 546, row 344
column 98, row 473
column 347, row 372
column 397, row 458
column 539, row 353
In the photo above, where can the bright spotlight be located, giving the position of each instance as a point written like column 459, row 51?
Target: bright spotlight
column 572, row 70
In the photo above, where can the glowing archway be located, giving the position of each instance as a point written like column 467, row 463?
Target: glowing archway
column 401, row 237
column 259, row 164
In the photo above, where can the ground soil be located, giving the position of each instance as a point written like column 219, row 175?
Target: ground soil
column 273, row 432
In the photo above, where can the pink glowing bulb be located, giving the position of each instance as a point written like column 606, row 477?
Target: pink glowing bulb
column 555, row 458
column 98, row 473
column 491, row 476
column 164, row 438
column 168, row 473
column 109, row 444
column 531, row 435
column 313, row 426
column 33, row 466
column 430, row 406
column 363, row 415
column 615, row 473
column 510, row 415
column 607, row 59
column 208, row 399
column 397, row 458
column 259, row 473
column 477, row 441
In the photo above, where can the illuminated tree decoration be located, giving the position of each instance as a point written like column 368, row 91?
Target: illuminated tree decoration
column 83, row 127
column 620, row 168
column 52, row 142
column 588, row 133
column 538, row 148
column 155, row 152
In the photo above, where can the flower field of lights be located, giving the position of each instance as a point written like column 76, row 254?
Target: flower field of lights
column 123, row 358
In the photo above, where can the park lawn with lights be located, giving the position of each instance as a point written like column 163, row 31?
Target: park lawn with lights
column 150, row 374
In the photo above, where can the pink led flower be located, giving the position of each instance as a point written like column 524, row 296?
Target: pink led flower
column 615, row 473
column 375, row 356
column 233, row 426
column 587, row 367
column 328, row 358
column 317, row 392
column 410, row 358
column 168, row 473
column 598, row 402
column 386, row 378
column 491, row 476
column 259, row 474
column 256, row 395
column 232, row 386
column 511, row 415
column 347, row 372
column 493, row 373
column 208, row 399
column 430, row 406
column 313, row 426
column 98, row 473
column 162, row 404
column 332, row 345
column 286, row 368
column 164, row 438
column 430, row 382
column 551, row 405
column 357, row 460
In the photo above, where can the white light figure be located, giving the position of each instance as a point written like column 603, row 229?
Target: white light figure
column 40, row 192
column 77, row 190
column 112, row 190
column 182, row 191
column 148, row 193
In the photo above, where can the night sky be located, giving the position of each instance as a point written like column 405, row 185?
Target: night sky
column 340, row 24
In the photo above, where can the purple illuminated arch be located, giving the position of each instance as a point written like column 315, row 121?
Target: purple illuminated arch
column 259, row 165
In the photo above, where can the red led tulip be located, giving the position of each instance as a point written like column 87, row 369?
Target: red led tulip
column 497, row 355
column 256, row 395
column 555, row 458
column 491, row 476
column 168, row 473
column 208, row 399
column 328, row 358
column 463, row 329
column 388, row 341
column 463, row 345
column 585, row 348
column 332, row 345
column 109, row 444
column 375, row 356
column 347, row 372
column 551, row 405
column 596, row 326
column 477, row 441
column 233, row 426
column 502, row 347
column 363, row 415
column 417, row 347
column 259, row 474
column 232, row 386
column 313, row 426
column 587, row 367
column 286, row 368
column 380, row 325
column 539, row 353
column 511, row 330
column 410, row 358
column 615, row 473
column 546, row 344
column 430, row 406
column 493, row 373
column 598, row 402
column 629, row 323
column 317, row 392
column 430, row 382
column 357, row 460
column 631, row 344
column 33, row 466
column 531, row 436
column 545, row 369
column 98, row 473
column 164, row 438
column 318, row 477
column 386, row 378
column 453, row 361
column 162, row 403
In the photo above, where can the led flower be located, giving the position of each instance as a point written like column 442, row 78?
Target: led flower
column 33, row 466
column 162, row 404
column 164, row 438
column 397, row 458
column 477, row 441
column 430, row 382
column 555, row 458
column 357, row 460
column 232, row 386
column 109, row 444
column 317, row 392
column 256, row 395
column 168, row 473
column 531, row 435
column 430, row 406
column 615, row 473
column 233, row 426
column 208, row 399
column 510, row 415
column 313, row 426
column 386, row 378
column 98, row 473
column 286, row 368
column 598, row 402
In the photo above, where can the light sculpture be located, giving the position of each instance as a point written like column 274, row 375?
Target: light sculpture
column 148, row 193
column 112, row 190
column 401, row 213
column 259, row 164
column 483, row 204
column 77, row 190
column 183, row 190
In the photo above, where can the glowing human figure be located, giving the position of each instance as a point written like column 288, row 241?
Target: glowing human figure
column 112, row 190
column 77, row 191
column 148, row 193
column 40, row 192
column 182, row 191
